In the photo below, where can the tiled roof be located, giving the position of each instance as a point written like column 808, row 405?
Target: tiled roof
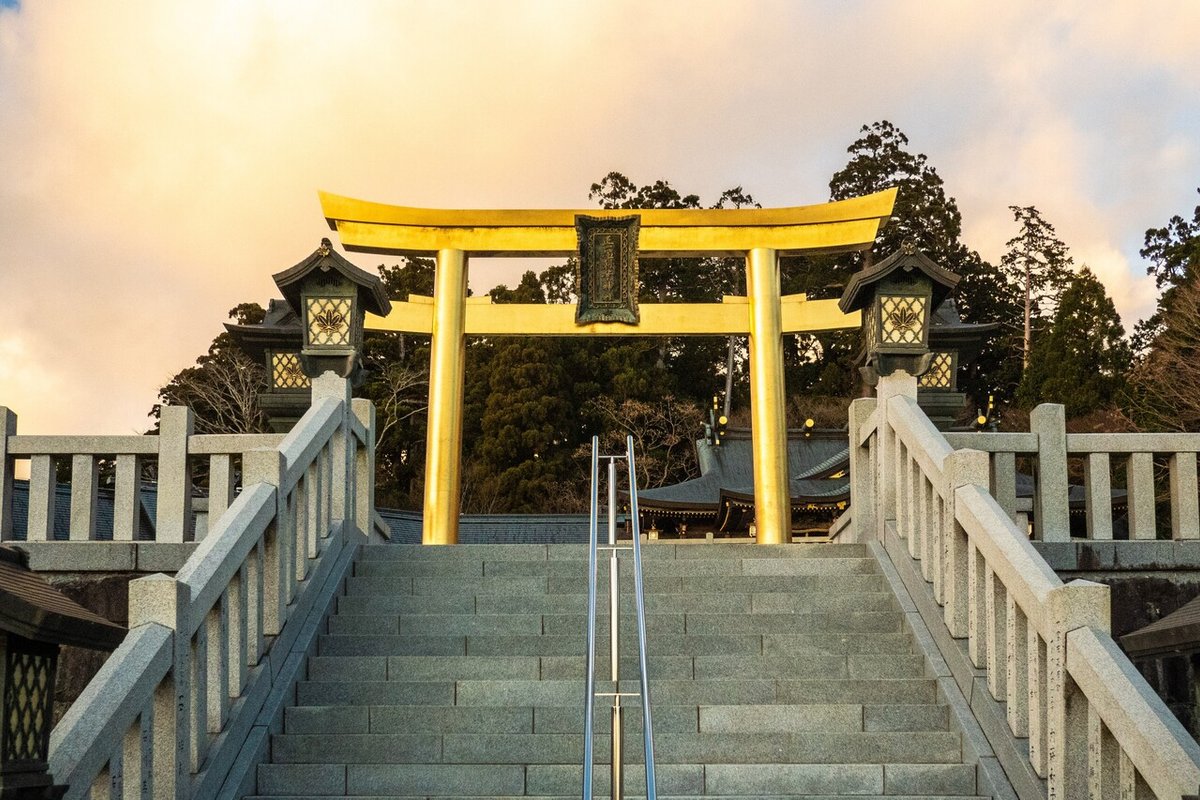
column 32, row 608
column 1179, row 630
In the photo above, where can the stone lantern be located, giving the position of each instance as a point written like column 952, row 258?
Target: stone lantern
column 35, row 620
column 954, row 345
column 331, row 297
column 897, row 298
column 275, row 345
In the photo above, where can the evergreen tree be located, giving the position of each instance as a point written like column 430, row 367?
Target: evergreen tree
column 1080, row 360
column 1174, row 254
column 1039, row 262
column 1165, row 383
column 879, row 159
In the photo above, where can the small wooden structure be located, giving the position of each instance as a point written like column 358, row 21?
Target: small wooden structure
column 35, row 619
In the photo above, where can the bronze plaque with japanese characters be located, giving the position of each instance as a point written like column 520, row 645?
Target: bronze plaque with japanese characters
column 608, row 267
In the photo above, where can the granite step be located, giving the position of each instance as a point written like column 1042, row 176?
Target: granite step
column 545, row 780
column 525, row 585
column 657, row 625
column 727, row 691
column 462, row 667
column 662, row 603
column 575, row 645
column 711, row 719
column 932, row 747
column 650, row 551
column 652, row 568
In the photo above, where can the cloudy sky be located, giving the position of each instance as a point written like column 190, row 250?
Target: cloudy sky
column 159, row 160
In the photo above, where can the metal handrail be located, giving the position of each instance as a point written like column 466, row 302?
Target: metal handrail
column 617, row 763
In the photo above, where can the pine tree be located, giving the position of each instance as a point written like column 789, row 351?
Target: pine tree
column 1039, row 261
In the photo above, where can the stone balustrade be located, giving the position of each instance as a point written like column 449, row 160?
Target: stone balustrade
column 172, row 456
column 184, row 706
column 1088, row 721
column 1154, row 465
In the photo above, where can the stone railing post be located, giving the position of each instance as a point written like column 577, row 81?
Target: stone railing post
column 1052, row 522
column 162, row 599
column 328, row 384
column 8, row 427
column 898, row 384
column 960, row 468
column 174, row 522
column 862, row 473
column 364, row 468
column 1078, row 604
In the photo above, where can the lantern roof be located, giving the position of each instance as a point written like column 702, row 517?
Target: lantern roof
column 949, row 332
column 279, row 330
column 860, row 290
column 371, row 295
column 33, row 609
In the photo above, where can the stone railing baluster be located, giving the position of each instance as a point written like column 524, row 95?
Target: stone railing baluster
column 996, row 618
column 1097, row 486
column 220, row 485
column 84, row 486
column 976, row 605
column 1139, row 483
column 1185, row 508
column 937, row 547
column 961, row 468
column 237, row 652
column 127, row 499
column 1004, row 481
column 267, row 466
column 43, row 492
column 1036, row 690
column 1016, row 668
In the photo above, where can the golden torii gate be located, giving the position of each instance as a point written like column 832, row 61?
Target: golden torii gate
column 761, row 236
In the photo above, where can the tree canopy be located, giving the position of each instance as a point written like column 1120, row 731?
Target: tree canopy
column 1080, row 360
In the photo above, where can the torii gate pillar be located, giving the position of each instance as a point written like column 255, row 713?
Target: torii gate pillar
column 447, row 357
column 768, row 420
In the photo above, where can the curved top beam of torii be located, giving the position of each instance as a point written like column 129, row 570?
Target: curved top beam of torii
column 368, row 227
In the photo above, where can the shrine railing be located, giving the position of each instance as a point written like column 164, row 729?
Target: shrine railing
column 1144, row 483
column 1090, row 722
column 182, row 708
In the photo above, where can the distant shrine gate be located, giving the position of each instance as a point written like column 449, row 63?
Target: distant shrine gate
column 761, row 236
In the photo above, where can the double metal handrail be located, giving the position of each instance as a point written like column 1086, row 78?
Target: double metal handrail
column 614, row 627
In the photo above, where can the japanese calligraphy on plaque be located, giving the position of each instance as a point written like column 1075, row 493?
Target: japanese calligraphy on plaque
column 608, row 268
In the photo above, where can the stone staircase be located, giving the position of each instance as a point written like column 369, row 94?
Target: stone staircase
column 775, row 672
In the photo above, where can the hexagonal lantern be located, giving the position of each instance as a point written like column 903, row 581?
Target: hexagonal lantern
column 897, row 297
column 331, row 297
column 35, row 619
column 954, row 344
column 275, row 344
